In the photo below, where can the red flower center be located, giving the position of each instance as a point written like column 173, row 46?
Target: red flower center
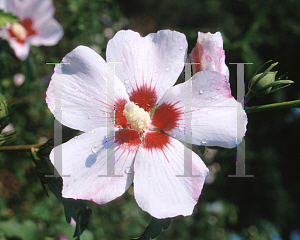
column 165, row 118
column 21, row 30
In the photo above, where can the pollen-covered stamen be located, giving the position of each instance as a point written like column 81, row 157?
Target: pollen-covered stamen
column 136, row 116
column 19, row 30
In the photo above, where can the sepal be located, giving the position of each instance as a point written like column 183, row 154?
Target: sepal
column 76, row 209
column 154, row 228
column 262, row 84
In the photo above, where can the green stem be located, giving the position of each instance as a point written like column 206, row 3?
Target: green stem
column 274, row 106
column 20, row 148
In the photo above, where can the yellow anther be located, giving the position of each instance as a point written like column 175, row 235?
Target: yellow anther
column 136, row 116
column 19, row 30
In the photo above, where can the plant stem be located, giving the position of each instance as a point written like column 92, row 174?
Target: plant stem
column 274, row 106
column 20, row 148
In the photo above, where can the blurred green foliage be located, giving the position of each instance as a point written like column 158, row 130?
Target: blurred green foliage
column 6, row 17
column 252, row 208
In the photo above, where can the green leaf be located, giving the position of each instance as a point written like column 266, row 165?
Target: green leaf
column 43, row 165
column 68, row 231
column 3, row 107
column 154, row 228
column 46, row 148
column 7, row 137
column 83, row 216
column 7, row 17
column 26, row 230
column 77, row 209
column 5, row 110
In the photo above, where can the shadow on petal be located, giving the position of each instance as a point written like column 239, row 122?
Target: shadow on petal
column 90, row 161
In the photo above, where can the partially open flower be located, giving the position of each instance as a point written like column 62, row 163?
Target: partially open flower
column 36, row 25
column 208, row 54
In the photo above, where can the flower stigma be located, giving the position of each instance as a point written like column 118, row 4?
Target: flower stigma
column 19, row 30
column 137, row 117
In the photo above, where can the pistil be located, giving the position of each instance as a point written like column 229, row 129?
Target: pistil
column 137, row 117
column 19, row 30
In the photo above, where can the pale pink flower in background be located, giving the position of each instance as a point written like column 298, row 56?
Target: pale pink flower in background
column 19, row 79
column 8, row 128
column 43, row 139
column 36, row 25
column 146, row 68
column 209, row 53
column 62, row 236
column 108, row 33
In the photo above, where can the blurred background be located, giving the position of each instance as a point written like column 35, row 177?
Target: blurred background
column 265, row 206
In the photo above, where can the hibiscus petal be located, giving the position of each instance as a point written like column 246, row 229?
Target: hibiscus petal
column 148, row 64
column 209, row 53
column 49, row 34
column 49, row 31
column 21, row 50
column 8, row 6
column 84, row 158
column 158, row 188
column 40, row 11
column 84, row 99
column 216, row 115
column 3, row 33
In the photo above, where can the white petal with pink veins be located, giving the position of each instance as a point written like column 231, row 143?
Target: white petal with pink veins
column 154, row 61
column 49, row 31
column 40, row 11
column 84, row 99
column 216, row 115
column 85, row 157
column 8, row 6
column 3, row 33
column 210, row 54
column 49, row 34
column 21, row 50
column 158, row 189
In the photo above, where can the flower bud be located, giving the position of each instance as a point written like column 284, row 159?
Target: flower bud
column 208, row 54
column 258, row 83
column 3, row 107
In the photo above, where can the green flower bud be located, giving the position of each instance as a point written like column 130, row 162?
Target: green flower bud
column 3, row 107
column 265, row 83
column 259, row 84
